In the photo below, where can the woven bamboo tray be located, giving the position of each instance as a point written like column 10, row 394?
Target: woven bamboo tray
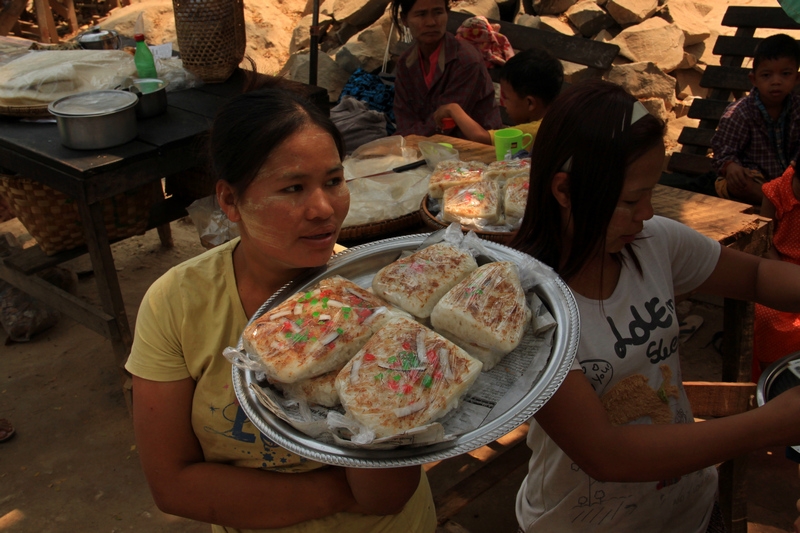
column 430, row 221
column 25, row 111
column 51, row 217
column 379, row 229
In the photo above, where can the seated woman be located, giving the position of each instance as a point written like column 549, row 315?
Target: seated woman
column 438, row 70
column 202, row 457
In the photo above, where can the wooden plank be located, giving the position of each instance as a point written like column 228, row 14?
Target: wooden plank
column 67, row 12
column 758, row 17
column 444, row 475
column 89, row 315
column 717, row 218
column 696, row 136
column 569, row 48
column 689, row 164
column 9, row 15
column 715, row 399
column 451, row 502
column 47, row 26
column 728, row 78
column 731, row 45
column 707, row 109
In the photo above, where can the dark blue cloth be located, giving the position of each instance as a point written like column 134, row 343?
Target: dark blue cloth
column 370, row 88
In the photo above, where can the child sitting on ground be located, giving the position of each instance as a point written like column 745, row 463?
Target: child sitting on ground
column 757, row 135
column 529, row 81
column 775, row 333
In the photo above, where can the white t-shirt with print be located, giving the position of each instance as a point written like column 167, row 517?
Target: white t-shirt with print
column 629, row 349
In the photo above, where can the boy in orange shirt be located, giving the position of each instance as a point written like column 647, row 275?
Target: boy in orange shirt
column 529, row 81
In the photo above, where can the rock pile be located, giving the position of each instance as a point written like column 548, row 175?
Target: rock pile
column 664, row 44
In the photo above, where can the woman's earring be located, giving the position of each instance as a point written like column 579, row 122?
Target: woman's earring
column 407, row 35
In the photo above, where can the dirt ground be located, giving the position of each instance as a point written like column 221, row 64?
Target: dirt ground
column 73, row 464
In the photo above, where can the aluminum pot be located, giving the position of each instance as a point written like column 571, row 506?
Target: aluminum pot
column 95, row 119
column 152, row 95
column 99, row 39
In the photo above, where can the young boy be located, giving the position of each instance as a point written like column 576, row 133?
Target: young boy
column 759, row 135
column 529, row 81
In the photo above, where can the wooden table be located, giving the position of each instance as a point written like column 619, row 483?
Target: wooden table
column 723, row 220
column 165, row 145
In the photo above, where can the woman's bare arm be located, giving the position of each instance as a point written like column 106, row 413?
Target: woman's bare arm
column 576, row 420
column 743, row 276
column 184, row 484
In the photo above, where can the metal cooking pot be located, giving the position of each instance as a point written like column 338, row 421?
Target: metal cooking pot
column 99, row 39
column 95, row 119
column 152, row 95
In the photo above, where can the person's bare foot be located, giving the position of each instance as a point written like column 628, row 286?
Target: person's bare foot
column 6, row 430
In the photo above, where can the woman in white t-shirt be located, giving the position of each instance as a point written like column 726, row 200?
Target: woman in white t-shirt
column 279, row 164
column 616, row 448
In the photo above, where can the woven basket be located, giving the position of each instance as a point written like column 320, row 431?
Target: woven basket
column 430, row 221
column 211, row 37
column 379, row 229
column 51, row 217
column 194, row 183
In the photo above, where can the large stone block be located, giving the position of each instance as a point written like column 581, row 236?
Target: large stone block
column 485, row 8
column 685, row 15
column 589, row 18
column 365, row 50
column 329, row 75
column 553, row 23
column 644, row 80
column 552, row 7
column 654, row 40
column 355, row 12
column 627, row 12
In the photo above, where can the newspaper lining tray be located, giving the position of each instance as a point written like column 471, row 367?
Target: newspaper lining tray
column 359, row 264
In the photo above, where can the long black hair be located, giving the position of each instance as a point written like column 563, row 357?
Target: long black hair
column 588, row 125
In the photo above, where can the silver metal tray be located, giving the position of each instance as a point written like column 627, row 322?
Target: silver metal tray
column 360, row 264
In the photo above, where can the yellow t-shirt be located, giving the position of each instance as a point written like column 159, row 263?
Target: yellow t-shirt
column 187, row 317
column 527, row 127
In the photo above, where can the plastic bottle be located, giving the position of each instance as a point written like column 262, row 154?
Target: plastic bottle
column 143, row 58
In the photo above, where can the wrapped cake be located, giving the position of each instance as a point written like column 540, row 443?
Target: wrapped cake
column 316, row 331
column 406, row 376
column 415, row 283
column 486, row 313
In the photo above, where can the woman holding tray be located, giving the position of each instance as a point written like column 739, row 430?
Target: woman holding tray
column 615, row 448
column 278, row 162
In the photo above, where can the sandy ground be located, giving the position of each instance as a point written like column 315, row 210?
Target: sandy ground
column 73, row 464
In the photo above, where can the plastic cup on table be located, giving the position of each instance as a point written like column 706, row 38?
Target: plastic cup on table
column 510, row 140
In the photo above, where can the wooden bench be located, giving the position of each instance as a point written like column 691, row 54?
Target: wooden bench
column 726, row 82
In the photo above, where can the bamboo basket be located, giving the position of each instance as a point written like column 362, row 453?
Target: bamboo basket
column 211, row 37
column 380, row 228
column 51, row 217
